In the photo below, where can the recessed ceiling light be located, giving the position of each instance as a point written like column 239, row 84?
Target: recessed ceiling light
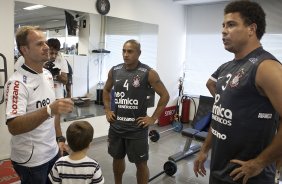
column 34, row 7
column 53, row 20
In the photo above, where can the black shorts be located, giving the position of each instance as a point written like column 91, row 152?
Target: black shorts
column 136, row 149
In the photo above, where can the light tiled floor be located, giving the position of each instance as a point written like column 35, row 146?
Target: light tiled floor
column 169, row 143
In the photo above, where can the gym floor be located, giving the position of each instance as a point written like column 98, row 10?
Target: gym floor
column 170, row 143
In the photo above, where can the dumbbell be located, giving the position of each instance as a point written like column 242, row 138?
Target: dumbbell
column 155, row 135
column 170, row 168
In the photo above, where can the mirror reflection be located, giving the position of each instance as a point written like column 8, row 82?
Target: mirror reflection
column 91, row 44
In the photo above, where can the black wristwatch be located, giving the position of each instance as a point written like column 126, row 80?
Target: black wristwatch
column 61, row 139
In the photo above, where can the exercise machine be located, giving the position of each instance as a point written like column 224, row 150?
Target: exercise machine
column 199, row 130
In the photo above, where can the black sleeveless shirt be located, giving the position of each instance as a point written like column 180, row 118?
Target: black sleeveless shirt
column 131, row 88
column 243, row 121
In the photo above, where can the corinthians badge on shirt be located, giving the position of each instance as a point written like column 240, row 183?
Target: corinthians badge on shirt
column 235, row 81
column 136, row 81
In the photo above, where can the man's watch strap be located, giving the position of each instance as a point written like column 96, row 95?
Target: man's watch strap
column 61, row 139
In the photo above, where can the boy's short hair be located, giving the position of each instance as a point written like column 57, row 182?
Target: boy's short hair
column 79, row 135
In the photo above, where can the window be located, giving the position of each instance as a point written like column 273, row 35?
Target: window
column 204, row 48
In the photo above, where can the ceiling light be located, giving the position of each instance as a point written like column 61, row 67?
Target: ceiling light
column 53, row 20
column 34, row 7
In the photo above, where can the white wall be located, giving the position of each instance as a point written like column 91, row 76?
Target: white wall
column 171, row 42
column 83, row 34
column 6, row 48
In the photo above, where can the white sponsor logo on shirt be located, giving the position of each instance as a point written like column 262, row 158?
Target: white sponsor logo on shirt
column 264, row 115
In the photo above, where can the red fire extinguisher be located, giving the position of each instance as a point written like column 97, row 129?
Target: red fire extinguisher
column 185, row 100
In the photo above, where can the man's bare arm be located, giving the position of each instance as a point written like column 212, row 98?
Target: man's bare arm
column 211, row 85
column 28, row 122
column 269, row 82
column 107, row 92
column 63, row 78
column 107, row 98
column 161, row 90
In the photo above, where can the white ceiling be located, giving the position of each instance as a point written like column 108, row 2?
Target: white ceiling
column 36, row 16
column 44, row 16
column 50, row 14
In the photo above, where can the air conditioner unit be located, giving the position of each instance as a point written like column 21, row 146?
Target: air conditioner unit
column 192, row 2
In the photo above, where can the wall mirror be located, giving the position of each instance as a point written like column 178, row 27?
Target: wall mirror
column 83, row 50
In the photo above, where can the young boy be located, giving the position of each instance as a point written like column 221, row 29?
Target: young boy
column 77, row 167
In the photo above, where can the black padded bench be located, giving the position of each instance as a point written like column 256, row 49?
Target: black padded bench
column 196, row 134
column 201, row 136
column 189, row 149
column 199, row 130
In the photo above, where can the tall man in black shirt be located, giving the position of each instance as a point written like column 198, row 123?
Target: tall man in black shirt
column 248, row 91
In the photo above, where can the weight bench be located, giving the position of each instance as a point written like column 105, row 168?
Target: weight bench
column 199, row 131
column 201, row 136
column 195, row 134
